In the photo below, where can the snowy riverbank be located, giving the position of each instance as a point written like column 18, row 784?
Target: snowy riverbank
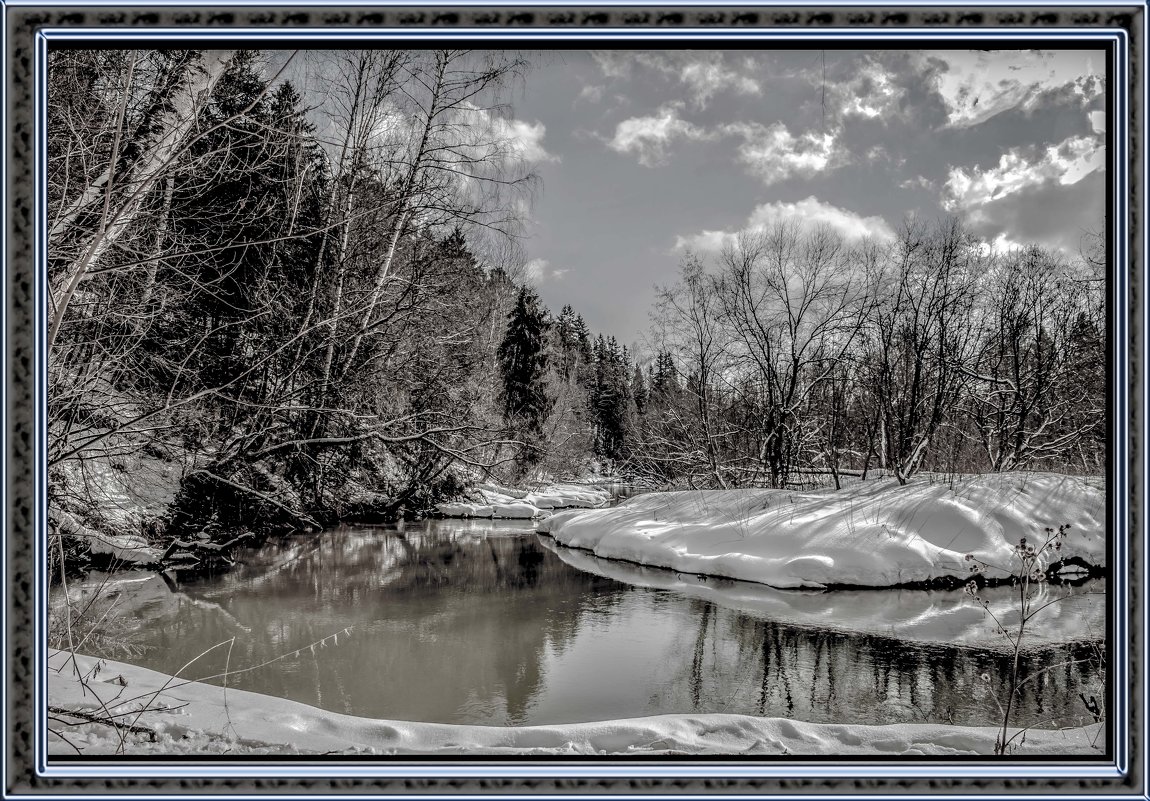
column 929, row 617
column 201, row 719
column 492, row 501
column 873, row 534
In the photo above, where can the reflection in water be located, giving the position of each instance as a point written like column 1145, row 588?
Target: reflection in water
column 474, row 622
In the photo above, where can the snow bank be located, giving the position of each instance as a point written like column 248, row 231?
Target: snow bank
column 128, row 490
column 123, row 547
column 873, row 533
column 512, row 504
column 940, row 617
column 193, row 718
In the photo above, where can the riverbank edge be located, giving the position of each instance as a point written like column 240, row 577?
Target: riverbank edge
column 175, row 716
column 926, row 534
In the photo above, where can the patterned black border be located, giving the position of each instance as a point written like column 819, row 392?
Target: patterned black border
column 22, row 21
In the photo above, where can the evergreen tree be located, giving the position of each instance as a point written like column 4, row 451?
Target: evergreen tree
column 611, row 399
column 523, row 365
column 639, row 389
column 583, row 340
column 567, row 338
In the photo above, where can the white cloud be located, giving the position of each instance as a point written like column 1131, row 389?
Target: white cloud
column 872, row 93
column 495, row 138
column 1065, row 164
column 649, row 137
column 592, row 94
column 613, row 63
column 702, row 74
column 525, row 139
column 1097, row 121
column 1001, row 244
column 538, row 271
column 707, row 77
column 773, row 153
column 976, row 85
column 809, row 213
column 917, row 182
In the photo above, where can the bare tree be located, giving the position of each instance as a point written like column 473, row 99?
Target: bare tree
column 1022, row 396
column 921, row 336
column 794, row 303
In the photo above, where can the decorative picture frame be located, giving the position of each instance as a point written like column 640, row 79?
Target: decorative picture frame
column 31, row 28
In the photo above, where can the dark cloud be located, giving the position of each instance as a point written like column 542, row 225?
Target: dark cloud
column 1051, row 215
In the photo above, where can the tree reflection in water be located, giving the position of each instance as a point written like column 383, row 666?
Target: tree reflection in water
column 479, row 623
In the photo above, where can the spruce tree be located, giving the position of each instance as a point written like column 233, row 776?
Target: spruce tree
column 523, row 364
column 639, row 388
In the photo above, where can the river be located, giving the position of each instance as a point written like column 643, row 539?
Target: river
column 487, row 622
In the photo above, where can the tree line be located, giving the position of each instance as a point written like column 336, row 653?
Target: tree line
column 795, row 356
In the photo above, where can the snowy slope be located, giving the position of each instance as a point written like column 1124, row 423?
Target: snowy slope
column 193, row 718
column 873, row 533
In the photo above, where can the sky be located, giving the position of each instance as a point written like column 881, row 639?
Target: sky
column 644, row 155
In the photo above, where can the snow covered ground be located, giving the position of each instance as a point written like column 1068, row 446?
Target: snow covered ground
column 941, row 617
column 202, row 719
column 493, row 501
column 873, row 533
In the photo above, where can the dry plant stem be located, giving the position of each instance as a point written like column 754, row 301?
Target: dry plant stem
column 1030, row 572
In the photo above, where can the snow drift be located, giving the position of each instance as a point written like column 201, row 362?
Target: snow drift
column 873, row 534
column 197, row 718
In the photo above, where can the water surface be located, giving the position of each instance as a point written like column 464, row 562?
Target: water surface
column 482, row 622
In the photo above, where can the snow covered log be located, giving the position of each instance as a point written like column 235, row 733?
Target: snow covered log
column 512, row 504
column 873, row 534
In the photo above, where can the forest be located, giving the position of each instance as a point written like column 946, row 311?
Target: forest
column 271, row 311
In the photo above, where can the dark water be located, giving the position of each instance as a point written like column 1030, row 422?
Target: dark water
column 475, row 622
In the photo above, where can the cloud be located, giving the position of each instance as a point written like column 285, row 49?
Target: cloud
column 702, row 74
column 871, row 94
column 525, row 139
column 773, row 154
column 706, row 78
column 650, row 137
column 1002, row 244
column 1097, row 121
column 539, row 271
column 977, row 85
column 496, row 138
column 592, row 94
column 1064, row 164
column 809, row 213
column 917, row 182
column 1050, row 215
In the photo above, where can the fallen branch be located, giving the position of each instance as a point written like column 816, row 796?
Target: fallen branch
column 217, row 548
column 92, row 718
column 298, row 516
